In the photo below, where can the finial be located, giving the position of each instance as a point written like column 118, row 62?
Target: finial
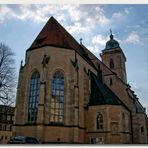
column 81, row 40
column 110, row 31
column 111, row 36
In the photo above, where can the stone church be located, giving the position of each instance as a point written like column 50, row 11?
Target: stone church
column 67, row 95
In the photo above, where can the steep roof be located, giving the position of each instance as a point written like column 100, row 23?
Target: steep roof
column 53, row 34
column 101, row 94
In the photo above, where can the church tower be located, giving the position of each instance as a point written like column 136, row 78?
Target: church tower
column 114, row 58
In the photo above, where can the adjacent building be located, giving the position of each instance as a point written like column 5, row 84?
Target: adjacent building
column 6, row 123
column 67, row 95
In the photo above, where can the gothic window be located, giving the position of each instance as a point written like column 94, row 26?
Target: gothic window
column 57, row 99
column 99, row 121
column 33, row 97
column 111, row 64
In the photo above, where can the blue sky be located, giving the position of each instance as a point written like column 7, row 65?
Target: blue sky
column 20, row 24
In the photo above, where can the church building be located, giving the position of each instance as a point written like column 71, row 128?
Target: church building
column 67, row 95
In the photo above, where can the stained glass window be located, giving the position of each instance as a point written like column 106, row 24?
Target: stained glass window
column 33, row 97
column 57, row 99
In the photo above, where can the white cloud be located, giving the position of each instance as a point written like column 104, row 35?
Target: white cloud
column 40, row 13
column 4, row 12
column 94, row 49
column 133, row 38
column 103, row 20
column 77, row 28
column 117, row 15
column 35, row 13
column 128, row 10
column 97, row 43
column 121, row 14
column 99, row 39
column 74, row 13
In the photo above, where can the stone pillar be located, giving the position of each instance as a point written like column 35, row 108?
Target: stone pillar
column 42, row 97
column 76, row 114
column 76, row 101
column 40, row 116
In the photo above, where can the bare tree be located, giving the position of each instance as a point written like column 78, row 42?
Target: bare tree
column 7, row 75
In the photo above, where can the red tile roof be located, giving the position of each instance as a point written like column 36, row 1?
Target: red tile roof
column 54, row 34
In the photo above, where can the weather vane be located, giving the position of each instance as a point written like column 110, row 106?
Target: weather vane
column 110, row 31
column 111, row 36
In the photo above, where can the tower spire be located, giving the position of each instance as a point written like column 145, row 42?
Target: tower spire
column 111, row 36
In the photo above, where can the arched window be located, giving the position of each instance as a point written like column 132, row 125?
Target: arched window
column 99, row 121
column 33, row 97
column 57, row 100
column 111, row 64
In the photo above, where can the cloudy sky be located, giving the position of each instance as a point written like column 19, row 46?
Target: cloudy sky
column 20, row 24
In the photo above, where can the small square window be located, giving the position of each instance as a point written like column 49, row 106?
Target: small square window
column 142, row 130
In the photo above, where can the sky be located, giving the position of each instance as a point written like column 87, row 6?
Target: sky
column 21, row 23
